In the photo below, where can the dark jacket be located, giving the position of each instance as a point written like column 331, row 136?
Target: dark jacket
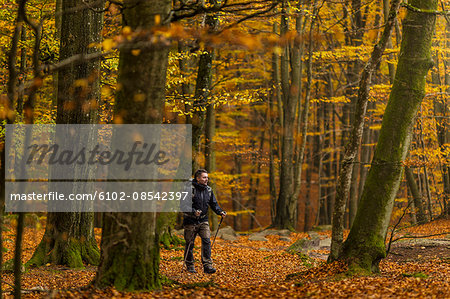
column 203, row 197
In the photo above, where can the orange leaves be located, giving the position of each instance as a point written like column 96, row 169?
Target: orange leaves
column 254, row 269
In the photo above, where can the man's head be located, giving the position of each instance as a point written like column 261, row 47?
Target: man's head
column 201, row 176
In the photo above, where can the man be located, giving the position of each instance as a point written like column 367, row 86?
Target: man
column 196, row 222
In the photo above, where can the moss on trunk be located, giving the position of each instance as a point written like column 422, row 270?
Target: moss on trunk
column 130, row 241
column 130, row 252
column 365, row 245
column 68, row 240
column 165, row 224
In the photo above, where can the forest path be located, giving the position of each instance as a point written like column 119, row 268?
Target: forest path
column 248, row 269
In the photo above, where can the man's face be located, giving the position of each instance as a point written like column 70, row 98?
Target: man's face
column 203, row 179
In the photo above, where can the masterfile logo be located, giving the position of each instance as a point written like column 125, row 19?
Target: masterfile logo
column 118, row 168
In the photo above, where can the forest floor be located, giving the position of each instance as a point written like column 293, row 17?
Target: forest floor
column 249, row 269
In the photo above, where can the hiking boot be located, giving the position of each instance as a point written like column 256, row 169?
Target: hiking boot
column 191, row 269
column 209, row 270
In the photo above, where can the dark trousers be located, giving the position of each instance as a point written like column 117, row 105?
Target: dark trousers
column 190, row 233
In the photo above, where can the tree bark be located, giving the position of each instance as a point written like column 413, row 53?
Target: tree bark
column 9, row 107
column 442, row 128
column 356, row 40
column 365, row 247
column 352, row 147
column 273, row 121
column 210, row 152
column 286, row 206
column 202, row 91
column 417, row 197
column 130, row 245
column 69, row 237
column 391, row 65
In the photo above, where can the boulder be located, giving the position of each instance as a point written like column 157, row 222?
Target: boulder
column 227, row 230
column 276, row 232
column 325, row 243
column 313, row 234
column 257, row 237
column 304, row 245
column 321, row 228
column 230, row 238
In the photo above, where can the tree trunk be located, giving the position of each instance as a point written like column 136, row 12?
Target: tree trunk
column 391, row 66
column 308, row 219
column 18, row 257
column 9, row 106
column 69, row 237
column 236, row 195
column 130, row 245
column 351, row 149
column 417, row 197
column 442, row 127
column 290, row 173
column 256, row 161
column 425, row 170
column 446, row 166
column 22, row 71
column 276, row 98
column 365, row 156
column 285, row 211
column 365, row 247
column 210, row 153
column 202, row 91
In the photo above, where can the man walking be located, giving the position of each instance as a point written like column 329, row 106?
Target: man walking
column 196, row 222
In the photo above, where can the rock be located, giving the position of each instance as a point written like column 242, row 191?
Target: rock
column 285, row 239
column 227, row 230
column 325, row 243
column 227, row 237
column 257, row 237
column 321, row 228
column 313, row 234
column 276, row 232
column 304, row 245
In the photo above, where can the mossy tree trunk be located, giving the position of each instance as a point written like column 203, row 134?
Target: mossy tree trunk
column 69, row 237
column 130, row 243
column 352, row 147
column 68, row 240
column 365, row 245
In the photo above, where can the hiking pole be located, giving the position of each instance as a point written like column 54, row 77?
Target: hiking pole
column 186, row 254
column 221, row 219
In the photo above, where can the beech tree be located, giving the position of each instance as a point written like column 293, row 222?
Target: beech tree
column 290, row 82
column 351, row 150
column 365, row 245
column 130, row 245
column 69, row 237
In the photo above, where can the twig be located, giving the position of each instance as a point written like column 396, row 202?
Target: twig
column 395, row 226
column 27, row 290
column 420, row 237
column 425, row 11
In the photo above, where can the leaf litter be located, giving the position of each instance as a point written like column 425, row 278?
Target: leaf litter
column 249, row 269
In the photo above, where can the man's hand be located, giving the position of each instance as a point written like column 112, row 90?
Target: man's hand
column 197, row 213
column 223, row 214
